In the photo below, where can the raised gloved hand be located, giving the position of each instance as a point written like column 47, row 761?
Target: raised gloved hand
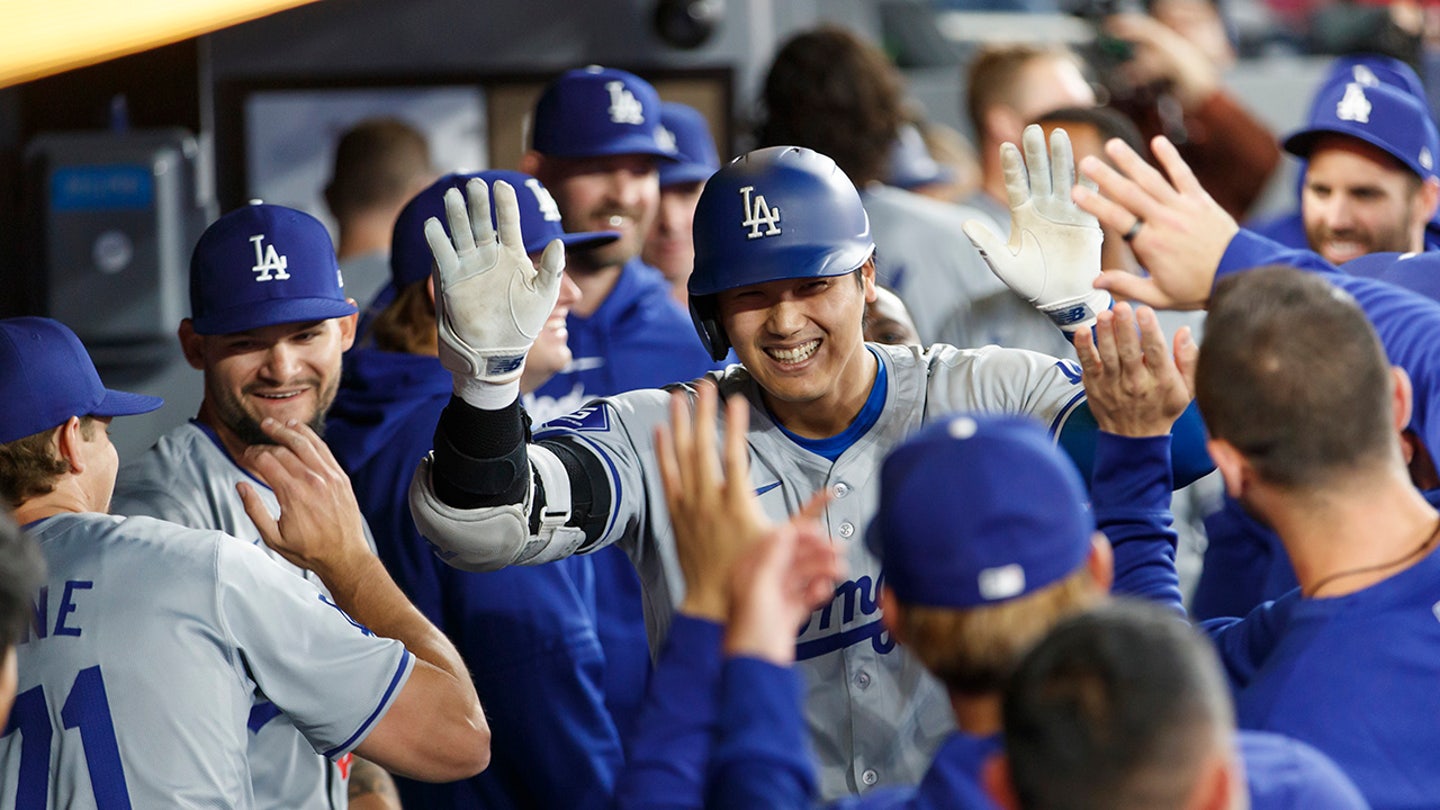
column 490, row 301
column 1053, row 255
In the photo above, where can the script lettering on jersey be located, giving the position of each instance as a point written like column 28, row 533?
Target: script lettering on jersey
column 624, row 108
column 757, row 213
column 62, row 623
column 855, row 600
column 268, row 259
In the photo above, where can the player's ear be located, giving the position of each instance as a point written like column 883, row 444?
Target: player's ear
column 347, row 329
column 1100, row 562
column 1402, row 396
column 867, row 279
column 191, row 344
column 1230, row 463
column 68, row 439
column 995, row 776
column 1429, row 200
column 531, row 163
column 891, row 613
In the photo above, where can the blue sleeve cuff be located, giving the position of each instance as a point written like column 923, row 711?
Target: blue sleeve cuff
column 1131, row 473
column 1249, row 249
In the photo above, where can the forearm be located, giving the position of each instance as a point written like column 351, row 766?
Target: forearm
column 762, row 750
column 364, row 590
column 1131, row 498
column 480, row 455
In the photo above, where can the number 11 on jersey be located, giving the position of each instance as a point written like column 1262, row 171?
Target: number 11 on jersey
column 86, row 709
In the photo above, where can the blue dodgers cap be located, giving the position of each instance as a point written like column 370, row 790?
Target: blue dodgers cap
column 410, row 257
column 46, row 377
column 1372, row 70
column 262, row 265
column 689, row 132
column 976, row 510
column 910, row 164
column 1389, row 119
column 595, row 111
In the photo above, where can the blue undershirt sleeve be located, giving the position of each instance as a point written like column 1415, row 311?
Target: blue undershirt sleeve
column 670, row 749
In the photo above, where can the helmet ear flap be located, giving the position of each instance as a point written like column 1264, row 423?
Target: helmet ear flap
column 705, row 312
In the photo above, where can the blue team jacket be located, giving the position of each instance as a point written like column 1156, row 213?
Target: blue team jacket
column 526, row 633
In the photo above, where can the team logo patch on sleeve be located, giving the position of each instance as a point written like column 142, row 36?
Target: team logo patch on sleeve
column 592, row 418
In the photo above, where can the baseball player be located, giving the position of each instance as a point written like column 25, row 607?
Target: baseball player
column 597, row 146
column 528, row 635
column 969, row 584
column 269, row 321
column 151, row 641
column 670, row 247
column 1376, row 523
column 1395, row 122
column 783, row 271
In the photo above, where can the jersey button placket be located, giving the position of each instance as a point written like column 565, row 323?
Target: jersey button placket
column 869, row 777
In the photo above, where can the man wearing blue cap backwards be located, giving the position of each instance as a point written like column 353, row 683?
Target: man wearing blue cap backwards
column 268, row 322
column 784, row 267
column 528, row 635
column 151, row 639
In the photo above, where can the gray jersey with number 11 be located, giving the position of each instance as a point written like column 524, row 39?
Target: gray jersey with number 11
column 151, row 643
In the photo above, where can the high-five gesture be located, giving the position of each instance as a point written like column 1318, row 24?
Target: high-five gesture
column 1053, row 255
column 1176, row 230
column 1135, row 384
column 490, row 301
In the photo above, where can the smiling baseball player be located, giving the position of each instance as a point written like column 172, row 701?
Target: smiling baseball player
column 784, row 267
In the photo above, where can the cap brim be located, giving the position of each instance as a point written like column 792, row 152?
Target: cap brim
column 270, row 313
column 673, row 174
column 635, row 144
column 587, row 239
column 124, row 403
column 1302, row 143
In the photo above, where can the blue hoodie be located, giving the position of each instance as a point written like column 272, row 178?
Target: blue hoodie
column 526, row 633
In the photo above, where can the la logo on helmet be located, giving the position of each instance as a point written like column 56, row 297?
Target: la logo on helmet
column 757, row 213
column 624, row 108
column 267, row 258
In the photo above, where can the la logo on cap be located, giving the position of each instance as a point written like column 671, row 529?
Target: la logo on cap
column 666, row 139
column 757, row 213
column 1353, row 105
column 624, row 108
column 549, row 210
column 267, row 258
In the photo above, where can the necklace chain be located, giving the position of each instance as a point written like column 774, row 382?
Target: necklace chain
column 1366, row 569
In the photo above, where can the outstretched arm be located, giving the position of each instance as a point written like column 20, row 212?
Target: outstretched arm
column 486, row 498
column 1137, row 387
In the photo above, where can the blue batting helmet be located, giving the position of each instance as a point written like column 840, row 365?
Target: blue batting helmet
column 777, row 213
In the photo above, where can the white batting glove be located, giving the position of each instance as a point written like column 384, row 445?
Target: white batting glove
column 490, row 301
column 1053, row 255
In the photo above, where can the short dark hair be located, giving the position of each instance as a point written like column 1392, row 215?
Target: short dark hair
column 377, row 162
column 22, row 569
column 831, row 91
column 1292, row 374
column 1115, row 708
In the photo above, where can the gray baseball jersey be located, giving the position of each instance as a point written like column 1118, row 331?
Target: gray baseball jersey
column 188, row 478
column 150, row 646
column 951, row 293
column 875, row 715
